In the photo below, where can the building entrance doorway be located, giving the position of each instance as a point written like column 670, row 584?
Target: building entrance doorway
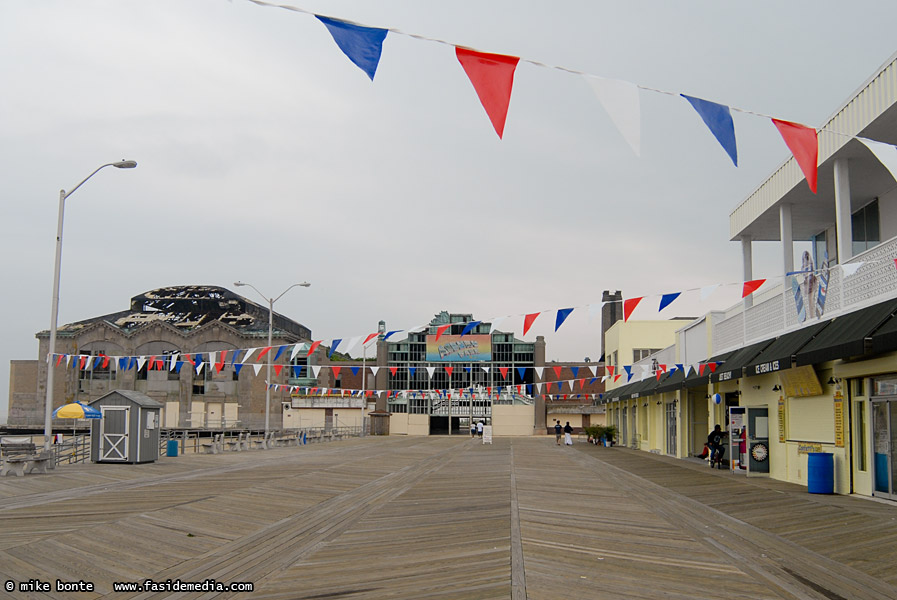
column 440, row 425
column 884, row 447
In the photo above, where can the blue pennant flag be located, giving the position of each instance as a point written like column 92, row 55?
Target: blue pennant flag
column 178, row 365
column 362, row 45
column 237, row 368
column 563, row 313
column 719, row 120
column 575, row 371
column 628, row 370
column 280, row 350
column 389, row 333
column 133, row 363
column 122, row 364
column 593, row 380
column 97, row 361
column 197, row 360
column 412, row 371
column 529, row 390
column 354, row 370
column 235, row 356
column 468, row 328
column 467, row 369
column 522, row 371
column 667, row 299
column 333, row 347
column 297, row 371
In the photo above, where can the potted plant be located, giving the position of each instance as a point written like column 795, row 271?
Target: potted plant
column 610, row 434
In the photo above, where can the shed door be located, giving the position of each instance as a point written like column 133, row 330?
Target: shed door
column 114, row 433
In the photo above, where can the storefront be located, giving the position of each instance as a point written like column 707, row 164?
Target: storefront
column 884, row 437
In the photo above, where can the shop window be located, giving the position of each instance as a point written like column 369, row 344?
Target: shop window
column 865, row 227
column 859, row 419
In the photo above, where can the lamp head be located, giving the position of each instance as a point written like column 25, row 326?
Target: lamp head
column 239, row 284
column 125, row 164
column 305, row 284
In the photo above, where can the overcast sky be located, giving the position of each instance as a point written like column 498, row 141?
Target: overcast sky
column 266, row 156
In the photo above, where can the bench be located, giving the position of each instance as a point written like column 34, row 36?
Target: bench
column 19, row 456
column 235, row 444
column 263, row 443
column 285, row 439
column 213, row 446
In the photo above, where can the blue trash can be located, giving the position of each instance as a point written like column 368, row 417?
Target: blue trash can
column 820, row 473
column 172, row 448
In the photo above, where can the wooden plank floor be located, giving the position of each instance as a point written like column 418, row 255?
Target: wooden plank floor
column 442, row 517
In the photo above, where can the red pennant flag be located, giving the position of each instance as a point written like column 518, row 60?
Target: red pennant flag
column 393, row 370
column 617, row 377
column 224, row 356
column 701, row 368
column 629, row 306
column 610, row 369
column 277, row 369
column 59, row 359
column 489, row 390
column 152, row 364
column 314, row 346
column 565, row 396
column 369, row 393
column 804, row 145
column 105, row 361
column 528, row 321
column 504, row 372
column 713, row 366
column 659, row 373
column 557, row 372
column 441, row 329
column 335, row 371
column 492, row 76
column 262, row 353
column 369, row 338
column 449, row 370
column 751, row 286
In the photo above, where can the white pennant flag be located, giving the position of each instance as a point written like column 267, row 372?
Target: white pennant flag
column 885, row 153
column 212, row 358
column 594, row 309
column 351, row 344
column 296, row 349
column 539, row 371
column 591, row 370
column 171, row 363
column 495, row 323
column 68, row 360
column 248, row 354
column 257, row 368
column 850, row 269
column 621, row 101
column 140, row 362
column 315, row 369
column 487, row 369
column 538, row 388
column 374, row 370
column 199, row 367
column 604, row 378
column 430, row 371
column 707, row 291
column 689, row 369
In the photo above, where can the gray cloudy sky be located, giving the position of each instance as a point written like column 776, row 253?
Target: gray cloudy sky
column 265, row 155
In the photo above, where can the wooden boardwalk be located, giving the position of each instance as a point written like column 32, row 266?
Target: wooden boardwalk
column 441, row 517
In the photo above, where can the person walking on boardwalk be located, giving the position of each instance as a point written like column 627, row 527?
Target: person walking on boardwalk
column 557, row 431
column 473, row 429
column 568, row 434
column 480, row 428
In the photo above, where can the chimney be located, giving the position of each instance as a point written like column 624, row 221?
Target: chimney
column 611, row 312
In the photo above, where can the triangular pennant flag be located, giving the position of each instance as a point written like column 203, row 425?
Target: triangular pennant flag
column 430, row 371
column 885, row 153
column 362, row 45
column 449, row 370
column 621, row 101
column 201, row 365
column 369, row 338
column 178, row 364
column 492, row 76
column 575, row 371
column 237, row 367
column 140, row 362
column 122, row 363
column 132, row 363
column 280, row 350
column 468, row 369
column 495, row 323
column 713, row 366
column 528, row 321
column 591, row 370
column 335, row 371
column 504, row 372
column 688, row 369
column 393, row 370
column 351, row 344
column 610, row 369
column 297, row 370
column 751, row 286
column 617, row 377
column 235, row 356
column 706, row 291
column 296, row 349
column 244, row 359
column 333, row 346
column 557, row 372
column 538, row 388
column 563, row 313
column 539, row 371
column 440, row 330
column 469, row 327
column 628, row 370
column 804, row 145
column 667, row 299
column 262, row 353
column 850, row 269
column 522, row 372
column 629, row 306
column 411, row 372
column 374, row 370
column 313, row 347
column 390, row 333
column 278, row 369
column 355, row 370
column 701, row 368
column 719, row 120
column 315, row 369
column 594, row 309
column 487, row 369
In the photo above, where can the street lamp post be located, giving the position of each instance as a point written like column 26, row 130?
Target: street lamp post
column 271, row 302
column 54, row 309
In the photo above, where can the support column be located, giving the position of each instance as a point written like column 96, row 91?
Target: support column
column 843, row 228
column 787, row 236
column 747, row 266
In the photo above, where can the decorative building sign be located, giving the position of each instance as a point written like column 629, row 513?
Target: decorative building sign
column 800, row 382
column 839, row 418
column 457, row 348
column 808, row 447
column 782, row 419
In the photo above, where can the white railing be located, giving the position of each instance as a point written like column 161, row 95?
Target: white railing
column 874, row 282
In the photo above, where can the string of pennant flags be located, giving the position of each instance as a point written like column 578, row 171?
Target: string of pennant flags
column 237, row 358
column 492, row 76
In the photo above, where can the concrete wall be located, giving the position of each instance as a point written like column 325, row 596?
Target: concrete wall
column 301, row 418
column 420, row 425
column 398, row 424
column 512, row 420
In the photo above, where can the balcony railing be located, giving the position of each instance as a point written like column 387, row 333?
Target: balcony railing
column 874, row 282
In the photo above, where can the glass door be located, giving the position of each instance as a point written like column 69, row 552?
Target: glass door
column 884, row 442
column 671, row 428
